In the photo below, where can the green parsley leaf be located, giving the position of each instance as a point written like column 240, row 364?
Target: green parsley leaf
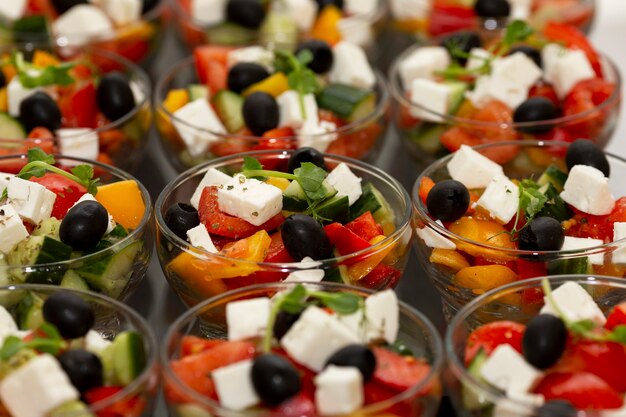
column 293, row 302
column 531, row 200
column 251, row 164
column 32, row 76
column 342, row 303
column 619, row 334
column 581, row 327
column 37, row 154
column 311, row 178
column 516, row 31
column 10, row 347
column 299, row 77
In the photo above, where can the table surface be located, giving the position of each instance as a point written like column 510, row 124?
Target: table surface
column 154, row 299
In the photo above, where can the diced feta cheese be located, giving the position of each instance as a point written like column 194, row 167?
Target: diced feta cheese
column 431, row 99
column 510, row 406
column 619, row 233
column 587, row 189
column 247, row 318
column 575, row 303
column 95, row 343
column 433, row 239
column 12, row 9
column 197, row 124
column 472, row 169
column 356, row 29
column 410, row 9
column 211, row 177
column 488, row 88
column 16, row 93
column 32, row 201
column 4, row 181
column 8, row 327
column 578, row 243
column 78, row 143
column 568, row 70
column 360, row 6
column 500, row 198
column 317, row 135
column 291, row 110
column 36, row 388
column 254, row 54
column 350, row 66
column 302, row 12
column 477, row 58
column 423, row 63
column 123, row 12
column 339, row 390
column 315, row 337
column 199, row 237
column 209, row 12
column 550, row 55
column 520, row 9
column 308, row 272
column 383, row 316
column 252, row 200
column 234, row 387
column 516, row 69
column 345, row 182
column 507, row 369
column 90, row 197
column 81, row 23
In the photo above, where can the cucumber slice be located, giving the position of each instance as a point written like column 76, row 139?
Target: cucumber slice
column 72, row 280
column 570, row 266
column 338, row 274
column 472, row 400
column 11, row 128
column 555, row 207
column 229, row 108
column 229, row 34
column 294, row 198
column 553, row 175
column 198, row 91
column 373, row 201
column 129, row 356
column 336, row 209
column 29, row 312
column 40, row 250
column 427, row 136
column 280, row 30
column 49, row 227
column 72, row 408
column 347, row 102
column 457, row 94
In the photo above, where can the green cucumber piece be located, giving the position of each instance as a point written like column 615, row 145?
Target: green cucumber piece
column 555, row 207
column 72, row 280
column 348, row 102
column 11, row 128
column 294, row 198
column 198, row 91
column 457, row 94
column 570, row 266
column 553, row 175
column 72, row 408
column 427, row 136
column 338, row 274
column 280, row 30
column 128, row 355
column 29, row 312
column 373, row 201
column 229, row 34
column 472, row 400
column 49, row 227
column 38, row 250
column 229, row 108
column 335, row 209
column 31, row 28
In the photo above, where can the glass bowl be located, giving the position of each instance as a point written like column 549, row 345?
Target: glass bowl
column 122, row 143
column 186, row 268
column 112, row 318
column 208, row 320
column 115, row 271
column 423, row 138
column 503, row 304
column 441, row 265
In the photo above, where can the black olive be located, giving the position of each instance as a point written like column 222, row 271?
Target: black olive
column 114, row 96
column 323, row 3
column 448, row 200
column 274, row 379
column 83, row 368
column 247, row 13
column 542, row 234
column 3, row 79
column 84, row 225
column 322, row 55
column 492, row 8
column 585, row 152
column 556, row 408
column 69, row 313
column 181, row 217
column 359, row 356
column 244, row 74
column 544, row 340
column 305, row 154
column 62, row 6
column 283, row 323
column 303, row 236
column 535, row 109
column 260, row 112
column 148, row 5
column 40, row 110
column 463, row 41
column 529, row 51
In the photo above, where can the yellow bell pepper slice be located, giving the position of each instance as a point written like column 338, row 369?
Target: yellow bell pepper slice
column 123, row 201
column 281, row 183
column 360, row 269
column 176, row 99
column 273, row 85
column 4, row 103
column 449, row 258
column 326, row 27
column 484, row 277
column 486, row 232
column 43, row 59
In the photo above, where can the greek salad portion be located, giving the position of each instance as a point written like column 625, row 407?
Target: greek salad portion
column 567, row 358
column 54, row 364
column 76, row 229
column 303, row 352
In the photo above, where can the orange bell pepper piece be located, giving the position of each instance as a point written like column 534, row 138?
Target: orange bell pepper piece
column 123, row 201
column 326, row 27
column 485, row 232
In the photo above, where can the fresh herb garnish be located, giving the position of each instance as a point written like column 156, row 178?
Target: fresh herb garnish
column 299, row 76
column 52, row 342
column 31, row 76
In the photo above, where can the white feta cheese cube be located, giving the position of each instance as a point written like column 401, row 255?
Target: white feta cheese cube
column 507, row 369
column 199, row 237
column 579, row 243
column 472, row 169
column 317, row 135
column 197, row 124
column 345, row 182
column 489, row 87
column 477, row 58
column 4, row 181
column 500, row 199
column 410, row 9
column 291, row 109
column 247, row 318
column 619, row 233
column 356, row 29
column 570, row 69
column 308, row 273
column 315, row 337
column 339, row 390
column 90, row 197
column 587, row 189
column 95, row 343
column 78, row 143
column 252, row 54
column 350, row 66
column 517, row 69
column 234, row 387
column 423, row 63
column 520, row 9
column 302, row 12
column 81, row 23
column 252, row 200
column 8, row 327
column 211, row 177
column 209, row 12
column 433, row 239
column 16, row 93
column 36, row 388
column 432, row 99
column 12, row 9
column 383, row 316
column 575, row 303
column 32, row 201
column 550, row 55
column 123, row 12
column 619, row 412
column 360, row 6
column 510, row 406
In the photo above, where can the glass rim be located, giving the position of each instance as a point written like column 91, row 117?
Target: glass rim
column 143, row 328
column 422, row 211
column 457, row 365
column 404, row 309
column 133, row 235
column 202, row 254
column 159, row 95
column 398, row 95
